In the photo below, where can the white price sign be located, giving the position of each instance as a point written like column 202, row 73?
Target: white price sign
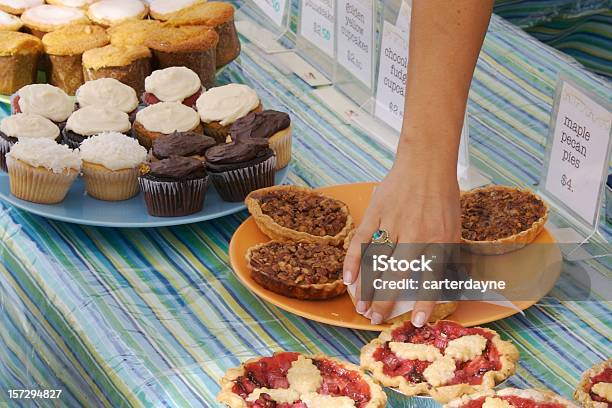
column 317, row 24
column 578, row 151
column 392, row 74
column 275, row 9
column 355, row 33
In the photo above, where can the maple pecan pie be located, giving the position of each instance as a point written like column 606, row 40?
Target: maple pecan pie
column 302, row 270
column 500, row 219
column 511, row 397
column 444, row 360
column 595, row 387
column 300, row 214
column 292, row 380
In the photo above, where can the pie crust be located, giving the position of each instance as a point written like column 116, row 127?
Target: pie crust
column 507, row 352
column 583, row 391
column 509, row 243
column 539, row 396
column 276, row 231
column 290, row 287
column 227, row 396
column 439, row 312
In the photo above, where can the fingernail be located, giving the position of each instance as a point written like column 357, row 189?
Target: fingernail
column 377, row 318
column 418, row 320
column 361, row 307
column 348, row 277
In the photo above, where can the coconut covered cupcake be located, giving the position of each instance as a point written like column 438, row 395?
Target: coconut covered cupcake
column 92, row 120
column 220, row 107
column 109, row 93
column 110, row 12
column 42, row 171
column 45, row 100
column 133, row 32
column 164, row 118
column 19, row 54
column 44, row 19
column 9, row 22
column 111, row 163
column 17, row 7
column 174, row 84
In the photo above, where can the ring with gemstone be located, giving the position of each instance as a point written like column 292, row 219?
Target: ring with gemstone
column 381, row 237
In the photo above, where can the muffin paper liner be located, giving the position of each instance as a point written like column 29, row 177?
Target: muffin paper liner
column 235, row 185
column 281, row 143
column 37, row 184
column 173, row 198
column 109, row 185
column 5, row 147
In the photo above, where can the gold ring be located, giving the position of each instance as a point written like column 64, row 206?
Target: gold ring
column 381, row 237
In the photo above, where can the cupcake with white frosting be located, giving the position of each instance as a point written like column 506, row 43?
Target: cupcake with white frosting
column 221, row 106
column 109, row 93
column 92, row 120
column 9, row 22
column 174, row 84
column 42, row 171
column 45, row 100
column 46, row 18
column 164, row 10
column 111, row 163
column 23, row 126
column 72, row 3
column 162, row 119
column 17, row 7
column 111, row 12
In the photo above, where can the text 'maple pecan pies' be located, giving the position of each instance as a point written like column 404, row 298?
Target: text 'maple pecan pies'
column 499, row 219
column 511, row 398
column 292, row 380
column 302, row 270
column 291, row 213
column 595, row 387
column 444, row 360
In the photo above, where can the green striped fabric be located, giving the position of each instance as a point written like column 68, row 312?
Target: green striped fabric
column 154, row 317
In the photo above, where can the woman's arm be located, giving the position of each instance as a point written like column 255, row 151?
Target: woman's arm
column 418, row 201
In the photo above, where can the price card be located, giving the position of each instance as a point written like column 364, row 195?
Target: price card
column 578, row 151
column 393, row 71
column 355, row 34
column 275, row 9
column 318, row 24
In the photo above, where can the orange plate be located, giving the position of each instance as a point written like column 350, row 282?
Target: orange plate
column 340, row 310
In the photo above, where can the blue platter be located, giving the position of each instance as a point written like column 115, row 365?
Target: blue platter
column 79, row 208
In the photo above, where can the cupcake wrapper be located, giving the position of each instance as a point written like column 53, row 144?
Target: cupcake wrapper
column 235, row 185
column 39, row 185
column 173, row 199
column 110, row 185
column 5, row 147
column 281, row 144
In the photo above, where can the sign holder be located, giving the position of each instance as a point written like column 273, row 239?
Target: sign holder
column 316, row 39
column 264, row 23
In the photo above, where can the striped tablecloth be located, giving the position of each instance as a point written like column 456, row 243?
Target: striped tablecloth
column 154, row 317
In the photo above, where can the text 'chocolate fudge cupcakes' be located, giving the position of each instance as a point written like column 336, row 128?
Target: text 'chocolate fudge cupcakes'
column 45, row 100
column 130, row 65
column 174, row 84
column 174, row 187
column 17, row 7
column 65, row 48
column 164, row 118
column 43, row 19
column 9, row 22
column 110, row 12
column 108, row 92
column 186, row 144
column 193, row 47
column 164, row 10
column 92, row 120
column 133, row 32
column 19, row 54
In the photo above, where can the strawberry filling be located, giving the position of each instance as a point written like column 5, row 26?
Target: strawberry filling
column 438, row 335
column 515, row 401
column 271, row 372
column 15, row 104
column 150, row 99
column 604, row 376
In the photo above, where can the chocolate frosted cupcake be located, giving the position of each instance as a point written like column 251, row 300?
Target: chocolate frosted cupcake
column 185, row 144
column 110, row 12
column 133, row 32
column 43, row 19
column 110, row 93
column 236, row 169
column 92, row 120
column 271, row 125
column 164, row 118
column 9, row 22
column 19, row 55
column 174, row 187
column 17, row 7
column 45, row 100
column 174, row 84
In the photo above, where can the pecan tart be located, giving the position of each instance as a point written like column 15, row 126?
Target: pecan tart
column 302, row 270
column 595, row 387
column 499, row 219
column 444, row 360
column 291, row 213
column 511, row 397
column 292, row 380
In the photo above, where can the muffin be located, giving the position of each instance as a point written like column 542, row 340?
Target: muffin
column 111, row 163
column 65, row 48
column 9, row 22
column 185, row 144
column 174, row 187
column 130, row 65
column 220, row 107
column 164, row 10
column 22, row 126
column 110, row 93
column 219, row 16
column 271, row 125
column 92, row 120
column 72, row 3
column 162, row 119
column 193, row 47
column 110, row 12
column 132, row 32
column 45, row 100
column 174, row 84
column 42, row 171
column 46, row 18
column 236, row 169
column 17, row 7
column 19, row 55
